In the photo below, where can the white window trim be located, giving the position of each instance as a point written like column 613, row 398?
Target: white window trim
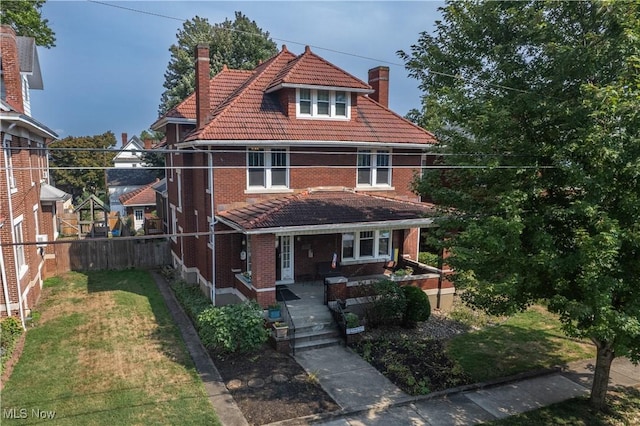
column 8, row 161
column 373, row 153
column 174, row 223
column 268, row 187
column 332, row 106
column 21, row 269
column 376, row 247
column 179, row 186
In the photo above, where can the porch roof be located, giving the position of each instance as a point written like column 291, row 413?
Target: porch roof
column 328, row 212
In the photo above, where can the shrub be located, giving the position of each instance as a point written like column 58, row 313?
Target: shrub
column 418, row 306
column 428, row 258
column 232, row 328
column 388, row 304
column 351, row 320
column 191, row 298
column 10, row 332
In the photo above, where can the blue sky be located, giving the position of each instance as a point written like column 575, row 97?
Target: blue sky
column 107, row 69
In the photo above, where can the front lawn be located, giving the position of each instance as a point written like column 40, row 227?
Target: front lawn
column 106, row 351
column 526, row 341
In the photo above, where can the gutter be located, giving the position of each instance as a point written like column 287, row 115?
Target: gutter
column 331, row 228
column 304, row 143
column 28, row 122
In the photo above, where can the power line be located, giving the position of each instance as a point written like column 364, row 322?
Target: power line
column 443, row 74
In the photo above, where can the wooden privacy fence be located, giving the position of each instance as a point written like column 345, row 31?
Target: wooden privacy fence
column 89, row 255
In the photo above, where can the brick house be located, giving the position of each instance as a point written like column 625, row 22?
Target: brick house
column 140, row 204
column 299, row 167
column 28, row 202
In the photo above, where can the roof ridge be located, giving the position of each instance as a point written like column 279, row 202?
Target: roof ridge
column 236, row 94
column 132, row 194
column 224, row 69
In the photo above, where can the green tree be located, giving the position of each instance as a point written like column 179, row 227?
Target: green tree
column 539, row 102
column 154, row 158
column 240, row 44
column 78, row 163
column 26, row 18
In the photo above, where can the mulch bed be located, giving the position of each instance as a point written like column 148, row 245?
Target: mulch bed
column 269, row 386
column 11, row 362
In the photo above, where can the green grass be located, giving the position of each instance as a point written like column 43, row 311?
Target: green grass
column 106, row 351
column 523, row 342
column 624, row 409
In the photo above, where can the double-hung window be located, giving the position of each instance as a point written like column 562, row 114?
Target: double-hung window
column 317, row 103
column 267, row 168
column 373, row 244
column 21, row 260
column 374, row 168
column 6, row 144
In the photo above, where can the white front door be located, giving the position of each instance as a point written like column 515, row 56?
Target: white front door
column 286, row 257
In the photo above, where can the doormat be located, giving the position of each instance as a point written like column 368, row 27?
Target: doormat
column 283, row 294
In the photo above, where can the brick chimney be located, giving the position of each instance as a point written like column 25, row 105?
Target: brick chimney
column 11, row 78
column 125, row 139
column 202, row 85
column 379, row 81
column 148, row 143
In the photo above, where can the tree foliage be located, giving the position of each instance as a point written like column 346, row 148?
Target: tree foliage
column 81, row 171
column 239, row 44
column 539, row 102
column 26, row 18
column 154, row 158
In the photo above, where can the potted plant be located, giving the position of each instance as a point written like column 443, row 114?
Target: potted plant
column 280, row 329
column 352, row 323
column 274, row 310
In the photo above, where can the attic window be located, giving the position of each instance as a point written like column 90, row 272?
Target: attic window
column 316, row 103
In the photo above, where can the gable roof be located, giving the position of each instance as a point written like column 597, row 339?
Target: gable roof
column 246, row 107
column 328, row 210
column 144, row 196
column 131, row 152
column 310, row 69
column 29, row 62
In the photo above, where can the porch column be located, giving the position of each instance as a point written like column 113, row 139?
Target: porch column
column 263, row 267
column 411, row 242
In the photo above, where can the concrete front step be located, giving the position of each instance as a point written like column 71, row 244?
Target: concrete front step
column 315, row 344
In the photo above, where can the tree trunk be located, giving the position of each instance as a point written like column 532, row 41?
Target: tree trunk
column 604, row 358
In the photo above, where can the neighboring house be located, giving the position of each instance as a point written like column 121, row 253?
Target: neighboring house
column 124, row 180
column 28, row 203
column 130, row 155
column 139, row 204
column 299, row 167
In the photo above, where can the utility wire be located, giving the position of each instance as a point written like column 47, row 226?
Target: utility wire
column 443, row 74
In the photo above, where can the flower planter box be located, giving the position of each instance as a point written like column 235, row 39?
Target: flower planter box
column 355, row 330
column 280, row 331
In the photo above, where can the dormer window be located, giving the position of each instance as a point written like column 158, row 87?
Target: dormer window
column 317, row 103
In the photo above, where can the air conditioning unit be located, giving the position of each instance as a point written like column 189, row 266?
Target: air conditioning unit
column 42, row 239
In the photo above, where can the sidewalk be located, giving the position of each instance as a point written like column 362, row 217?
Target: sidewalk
column 368, row 398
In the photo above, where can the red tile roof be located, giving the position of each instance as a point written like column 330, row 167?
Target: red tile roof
column 311, row 69
column 327, row 208
column 144, row 196
column 241, row 108
column 220, row 87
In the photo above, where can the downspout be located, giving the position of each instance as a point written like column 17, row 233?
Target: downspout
column 212, row 225
column 3, row 276
column 440, row 266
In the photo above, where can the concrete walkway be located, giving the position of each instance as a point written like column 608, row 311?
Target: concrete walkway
column 368, row 398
